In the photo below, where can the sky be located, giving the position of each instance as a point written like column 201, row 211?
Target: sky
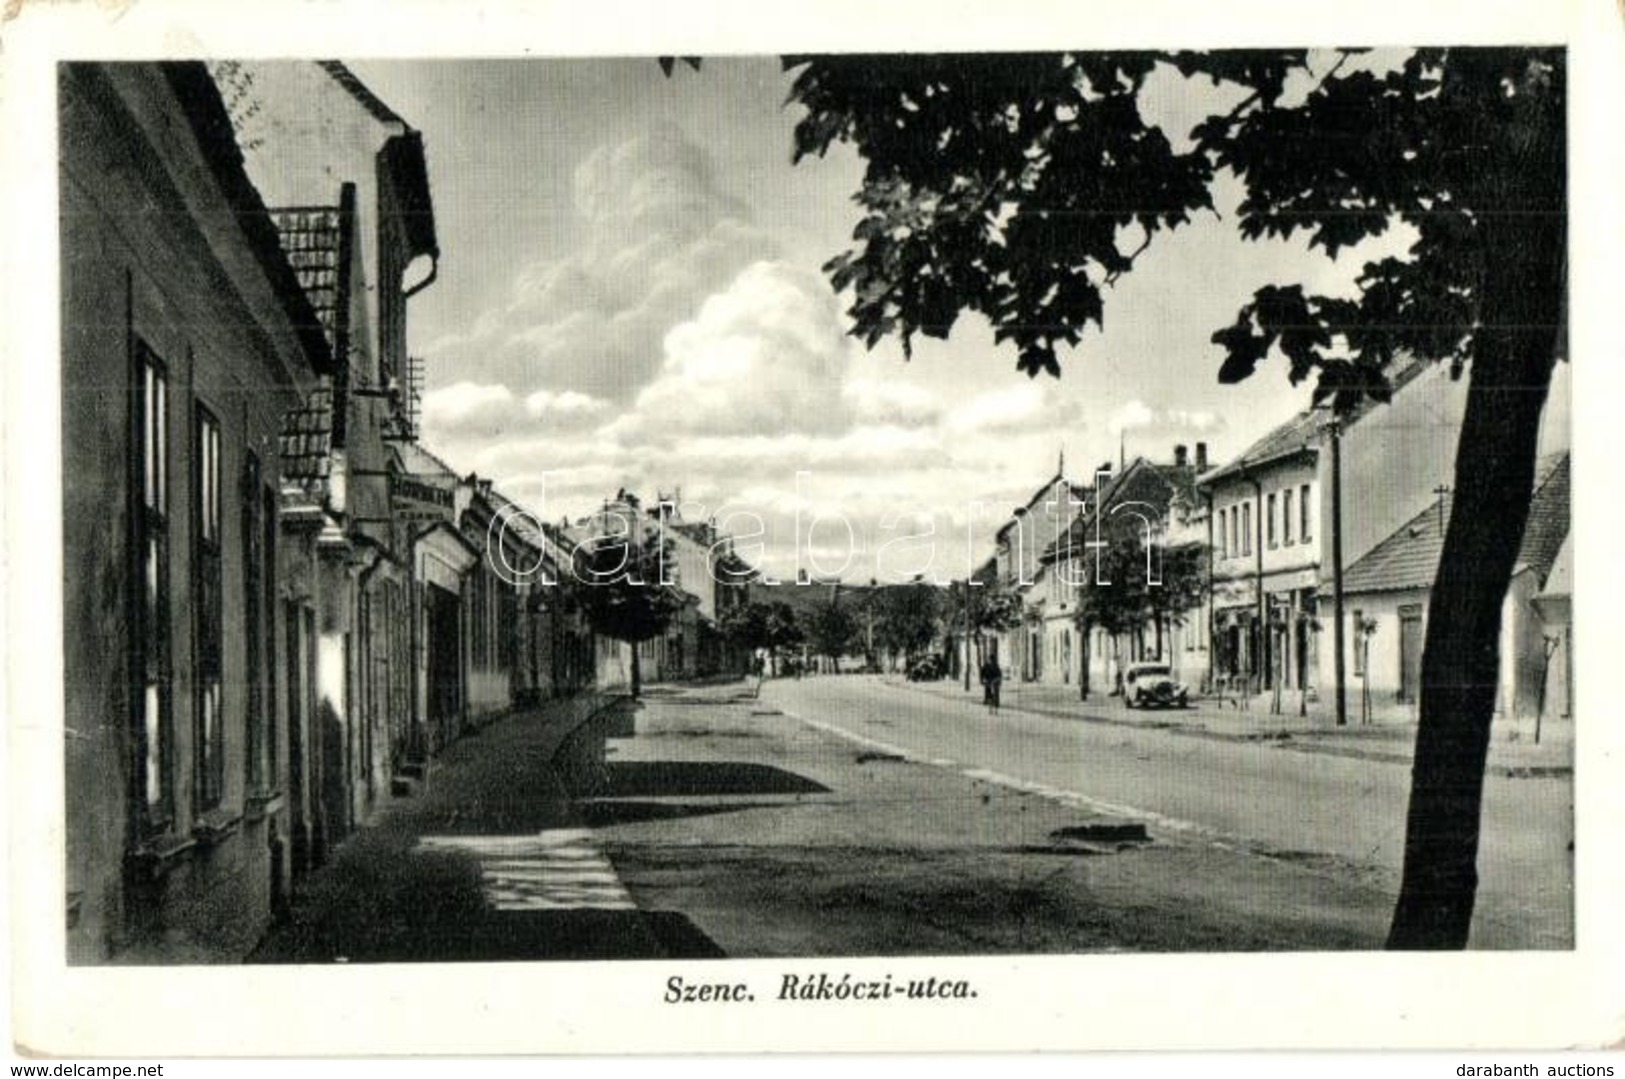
column 630, row 296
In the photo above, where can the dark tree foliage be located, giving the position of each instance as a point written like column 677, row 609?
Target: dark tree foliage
column 622, row 592
column 908, row 617
column 1020, row 186
column 832, row 630
column 762, row 625
column 992, row 609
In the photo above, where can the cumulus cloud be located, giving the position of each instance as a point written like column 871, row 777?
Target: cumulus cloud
column 1138, row 417
column 567, row 406
column 765, row 355
column 660, row 236
column 678, row 349
column 469, row 409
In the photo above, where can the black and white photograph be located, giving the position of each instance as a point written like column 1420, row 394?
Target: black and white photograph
column 763, row 519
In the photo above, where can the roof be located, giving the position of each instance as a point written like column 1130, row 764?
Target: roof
column 1548, row 527
column 1299, row 435
column 199, row 99
column 418, row 461
column 1409, row 558
column 1178, row 480
column 1560, row 581
column 1045, row 492
column 403, row 158
column 358, row 90
column 518, row 520
column 312, row 239
column 306, row 441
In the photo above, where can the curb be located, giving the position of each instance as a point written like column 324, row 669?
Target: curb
column 1274, row 739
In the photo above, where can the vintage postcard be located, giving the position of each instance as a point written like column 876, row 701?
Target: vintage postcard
column 855, row 530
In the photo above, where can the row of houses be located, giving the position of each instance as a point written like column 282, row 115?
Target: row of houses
column 279, row 606
column 1260, row 624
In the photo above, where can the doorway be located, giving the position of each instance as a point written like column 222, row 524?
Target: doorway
column 444, row 664
column 1410, row 651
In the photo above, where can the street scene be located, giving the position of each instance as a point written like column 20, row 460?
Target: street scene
column 740, row 507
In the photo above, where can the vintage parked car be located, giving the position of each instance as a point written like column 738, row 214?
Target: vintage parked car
column 927, row 668
column 1147, row 685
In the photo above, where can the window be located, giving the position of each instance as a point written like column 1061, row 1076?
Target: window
column 153, row 706
column 1270, row 524
column 1303, row 512
column 1247, row 528
column 209, row 738
column 259, row 637
column 273, row 732
column 1286, row 517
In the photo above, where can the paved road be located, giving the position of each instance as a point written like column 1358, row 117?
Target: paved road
column 845, row 817
column 1258, row 797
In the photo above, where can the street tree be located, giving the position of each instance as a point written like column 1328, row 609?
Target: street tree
column 909, row 617
column 623, row 593
column 762, row 627
column 980, row 608
column 1021, row 186
column 832, row 629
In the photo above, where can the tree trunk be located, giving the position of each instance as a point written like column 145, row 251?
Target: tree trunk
column 1495, row 468
column 1083, row 673
column 637, row 672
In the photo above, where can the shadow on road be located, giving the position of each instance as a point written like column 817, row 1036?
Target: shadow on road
column 654, row 779
column 607, row 814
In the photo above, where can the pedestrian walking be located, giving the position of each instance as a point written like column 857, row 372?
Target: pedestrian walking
column 992, row 679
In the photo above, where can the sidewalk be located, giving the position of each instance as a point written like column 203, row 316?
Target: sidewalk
column 1391, row 737
column 489, row 861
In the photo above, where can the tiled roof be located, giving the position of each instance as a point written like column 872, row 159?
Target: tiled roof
column 306, row 443
column 1409, row 558
column 1548, row 523
column 1300, row 434
column 1179, row 480
column 199, row 98
column 1043, row 494
column 521, row 522
column 311, row 238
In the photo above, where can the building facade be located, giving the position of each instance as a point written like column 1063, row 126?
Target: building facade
column 187, row 340
column 1264, row 515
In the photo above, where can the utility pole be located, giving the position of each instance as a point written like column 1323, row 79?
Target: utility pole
column 1337, row 570
column 966, row 613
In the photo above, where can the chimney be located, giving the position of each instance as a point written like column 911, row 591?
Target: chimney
column 1201, row 457
column 1180, row 460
